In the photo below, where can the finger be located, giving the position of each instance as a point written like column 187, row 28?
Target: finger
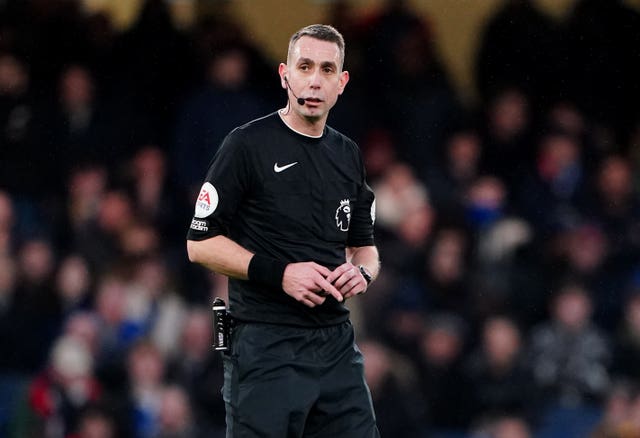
column 316, row 298
column 307, row 302
column 347, row 276
column 336, row 273
column 323, row 270
column 354, row 283
column 353, row 292
column 328, row 287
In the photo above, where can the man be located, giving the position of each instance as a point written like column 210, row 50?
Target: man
column 286, row 214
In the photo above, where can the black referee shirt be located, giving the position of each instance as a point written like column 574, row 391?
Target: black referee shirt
column 288, row 196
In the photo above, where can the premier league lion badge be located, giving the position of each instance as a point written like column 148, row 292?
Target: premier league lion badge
column 343, row 215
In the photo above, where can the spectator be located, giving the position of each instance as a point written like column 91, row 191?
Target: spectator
column 569, row 355
column 157, row 64
column 80, row 127
column 175, row 417
column 520, row 46
column 96, row 422
column 501, row 382
column 616, row 206
column 405, row 72
column 18, row 172
column 444, row 386
column 224, row 102
column 58, row 394
column 145, row 370
column 36, row 309
column 389, row 378
column 506, row 139
column 449, row 177
column 155, row 198
column 154, row 306
column 584, row 253
column 553, row 196
column 115, row 335
column 198, row 369
column 626, row 358
column 601, row 40
column 74, row 284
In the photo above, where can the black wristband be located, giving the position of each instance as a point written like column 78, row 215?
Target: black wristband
column 266, row 270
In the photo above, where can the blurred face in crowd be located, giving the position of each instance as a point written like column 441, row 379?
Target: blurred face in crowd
column 314, row 72
column 196, row 335
column 76, row 88
column 558, row 152
column 229, row 70
column 441, row 346
column 175, row 410
column 615, row 179
column 463, row 151
column 149, row 163
column 116, row 212
column 572, row 308
column 586, row 248
column 83, row 326
column 111, row 300
column 501, row 341
column 96, row 425
column 446, row 261
column 377, row 364
column 508, row 115
column 146, row 365
column 13, row 76
column 36, row 261
column 88, row 184
column 73, row 278
column 566, row 116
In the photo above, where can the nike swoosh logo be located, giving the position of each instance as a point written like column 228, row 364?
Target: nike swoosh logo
column 278, row 169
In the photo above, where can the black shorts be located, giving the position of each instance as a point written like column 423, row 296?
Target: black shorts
column 283, row 381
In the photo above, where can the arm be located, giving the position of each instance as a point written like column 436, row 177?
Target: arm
column 302, row 281
column 347, row 277
column 222, row 255
column 366, row 256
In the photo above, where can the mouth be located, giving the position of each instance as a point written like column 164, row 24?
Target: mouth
column 313, row 100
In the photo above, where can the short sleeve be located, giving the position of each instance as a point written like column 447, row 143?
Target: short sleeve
column 226, row 183
column 363, row 215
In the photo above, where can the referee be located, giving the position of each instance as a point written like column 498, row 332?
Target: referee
column 285, row 212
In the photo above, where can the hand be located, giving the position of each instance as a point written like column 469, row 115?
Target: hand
column 348, row 280
column 306, row 282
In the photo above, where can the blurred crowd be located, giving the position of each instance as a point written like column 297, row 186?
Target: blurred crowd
column 508, row 305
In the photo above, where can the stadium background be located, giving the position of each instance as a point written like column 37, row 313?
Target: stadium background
column 502, row 139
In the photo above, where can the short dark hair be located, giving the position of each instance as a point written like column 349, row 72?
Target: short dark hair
column 323, row 32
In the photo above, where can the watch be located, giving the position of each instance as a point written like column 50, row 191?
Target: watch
column 366, row 274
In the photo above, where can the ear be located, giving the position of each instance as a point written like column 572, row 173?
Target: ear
column 282, row 71
column 342, row 81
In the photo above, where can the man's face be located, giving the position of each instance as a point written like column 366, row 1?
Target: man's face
column 314, row 74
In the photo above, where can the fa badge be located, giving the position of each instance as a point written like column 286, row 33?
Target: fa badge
column 343, row 215
column 207, row 201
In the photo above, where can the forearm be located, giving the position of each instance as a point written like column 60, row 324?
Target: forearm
column 366, row 256
column 222, row 255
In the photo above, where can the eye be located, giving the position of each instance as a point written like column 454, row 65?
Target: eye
column 328, row 70
column 304, row 67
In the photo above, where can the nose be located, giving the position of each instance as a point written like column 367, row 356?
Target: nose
column 314, row 80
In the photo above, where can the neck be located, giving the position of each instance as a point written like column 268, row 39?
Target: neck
column 312, row 126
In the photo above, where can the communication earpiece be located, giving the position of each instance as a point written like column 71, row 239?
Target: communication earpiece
column 300, row 100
